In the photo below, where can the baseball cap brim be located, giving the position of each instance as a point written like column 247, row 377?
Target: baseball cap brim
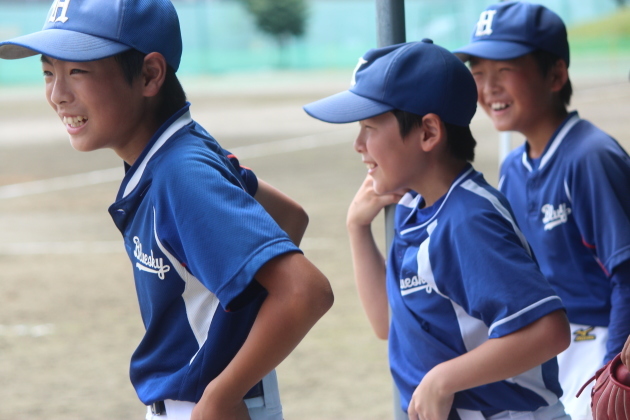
column 493, row 50
column 62, row 45
column 345, row 107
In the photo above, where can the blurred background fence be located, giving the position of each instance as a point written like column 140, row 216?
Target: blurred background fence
column 221, row 36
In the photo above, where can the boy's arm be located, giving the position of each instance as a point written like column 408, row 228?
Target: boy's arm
column 287, row 213
column 495, row 360
column 298, row 295
column 367, row 260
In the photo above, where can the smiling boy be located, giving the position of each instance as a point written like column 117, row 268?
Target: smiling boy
column 474, row 325
column 568, row 184
column 225, row 294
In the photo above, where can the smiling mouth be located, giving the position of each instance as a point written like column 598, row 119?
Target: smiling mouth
column 499, row 106
column 75, row 122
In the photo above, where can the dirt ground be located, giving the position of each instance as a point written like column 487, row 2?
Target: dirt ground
column 69, row 318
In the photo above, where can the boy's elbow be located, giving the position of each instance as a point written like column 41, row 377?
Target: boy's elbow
column 558, row 332
column 321, row 298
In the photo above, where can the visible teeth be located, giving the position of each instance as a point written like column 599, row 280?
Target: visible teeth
column 74, row 121
column 370, row 165
column 497, row 106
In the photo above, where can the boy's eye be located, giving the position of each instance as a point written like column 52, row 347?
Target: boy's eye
column 47, row 73
column 77, row 71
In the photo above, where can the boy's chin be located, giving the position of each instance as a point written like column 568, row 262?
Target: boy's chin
column 80, row 146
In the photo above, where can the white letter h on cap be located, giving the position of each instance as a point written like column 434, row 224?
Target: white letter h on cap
column 63, row 4
column 484, row 26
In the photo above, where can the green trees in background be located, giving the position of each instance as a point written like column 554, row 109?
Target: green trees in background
column 282, row 19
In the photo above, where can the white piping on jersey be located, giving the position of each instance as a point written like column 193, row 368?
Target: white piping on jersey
column 473, row 187
column 554, row 145
column 521, row 312
column 501, row 182
column 455, row 184
column 568, row 193
column 201, row 304
column 172, row 129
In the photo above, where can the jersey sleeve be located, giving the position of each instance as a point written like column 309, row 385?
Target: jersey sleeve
column 598, row 188
column 216, row 229
column 249, row 177
column 498, row 280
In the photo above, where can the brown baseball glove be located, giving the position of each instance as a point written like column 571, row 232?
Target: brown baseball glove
column 610, row 397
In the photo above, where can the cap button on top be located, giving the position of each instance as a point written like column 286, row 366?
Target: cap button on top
column 428, row 40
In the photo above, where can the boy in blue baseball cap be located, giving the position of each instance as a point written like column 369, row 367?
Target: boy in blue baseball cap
column 474, row 325
column 568, row 184
column 225, row 294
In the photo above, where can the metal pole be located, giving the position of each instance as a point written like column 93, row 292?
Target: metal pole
column 505, row 142
column 390, row 24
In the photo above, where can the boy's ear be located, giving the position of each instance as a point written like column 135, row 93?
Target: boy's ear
column 432, row 132
column 559, row 75
column 153, row 74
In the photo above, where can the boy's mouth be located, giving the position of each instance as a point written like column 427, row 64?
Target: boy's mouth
column 499, row 106
column 75, row 122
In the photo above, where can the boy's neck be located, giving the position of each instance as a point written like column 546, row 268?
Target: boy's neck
column 133, row 148
column 540, row 135
column 438, row 178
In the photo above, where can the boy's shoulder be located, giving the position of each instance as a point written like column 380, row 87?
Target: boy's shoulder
column 470, row 201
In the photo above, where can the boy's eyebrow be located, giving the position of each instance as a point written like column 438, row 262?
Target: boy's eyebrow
column 45, row 59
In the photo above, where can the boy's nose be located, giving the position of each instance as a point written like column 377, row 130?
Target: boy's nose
column 59, row 92
column 359, row 144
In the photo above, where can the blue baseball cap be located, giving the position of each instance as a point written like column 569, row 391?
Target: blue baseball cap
column 88, row 30
column 416, row 77
column 510, row 30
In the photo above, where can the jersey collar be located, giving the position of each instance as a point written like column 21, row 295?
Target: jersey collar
column 408, row 200
column 180, row 119
column 566, row 126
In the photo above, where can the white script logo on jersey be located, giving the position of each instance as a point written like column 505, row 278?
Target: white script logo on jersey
column 149, row 263
column 484, row 25
column 554, row 217
column 59, row 4
column 414, row 284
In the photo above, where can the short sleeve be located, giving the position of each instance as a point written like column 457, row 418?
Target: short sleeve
column 599, row 188
column 498, row 281
column 248, row 176
column 214, row 227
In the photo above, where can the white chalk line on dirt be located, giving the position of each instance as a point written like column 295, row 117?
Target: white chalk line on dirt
column 22, row 330
column 312, row 141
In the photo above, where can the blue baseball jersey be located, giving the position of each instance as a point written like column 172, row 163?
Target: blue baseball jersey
column 573, row 205
column 196, row 238
column 460, row 272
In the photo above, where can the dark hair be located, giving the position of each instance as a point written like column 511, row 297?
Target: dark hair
column 172, row 95
column 546, row 61
column 459, row 140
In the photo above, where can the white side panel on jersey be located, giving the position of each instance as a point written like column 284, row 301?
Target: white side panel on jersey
column 172, row 129
column 533, row 380
column 473, row 187
column 425, row 271
column 474, row 331
column 201, row 304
